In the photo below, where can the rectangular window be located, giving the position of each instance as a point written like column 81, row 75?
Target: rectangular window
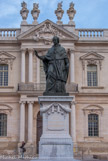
column 3, row 75
column 3, row 125
column 92, row 75
column 93, row 127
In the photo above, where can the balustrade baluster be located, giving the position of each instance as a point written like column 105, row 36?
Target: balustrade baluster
column 93, row 33
column 83, row 33
column 0, row 33
column 90, row 33
column 100, row 33
column 80, row 33
column 13, row 33
column 10, row 33
column 87, row 34
column 7, row 33
column 3, row 33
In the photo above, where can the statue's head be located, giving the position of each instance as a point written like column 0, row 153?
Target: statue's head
column 55, row 40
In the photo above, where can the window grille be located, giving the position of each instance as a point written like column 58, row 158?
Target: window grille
column 93, row 125
column 3, row 125
column 3, row 75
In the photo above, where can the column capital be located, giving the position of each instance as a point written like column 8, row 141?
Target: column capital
column 70, row 50
column 30, row 102
column 31, row 50
column 23, row 50
column 73, row 103
column 22, row 102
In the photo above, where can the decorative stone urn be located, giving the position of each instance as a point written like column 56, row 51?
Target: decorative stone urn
column 59, row 13
column 35, row 12
column 71, row 12
column 24, row 12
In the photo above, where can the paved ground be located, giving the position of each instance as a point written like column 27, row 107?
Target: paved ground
column 4, row 158
column 43, row 160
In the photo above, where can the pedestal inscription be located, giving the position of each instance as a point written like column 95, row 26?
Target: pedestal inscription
column 56, row 116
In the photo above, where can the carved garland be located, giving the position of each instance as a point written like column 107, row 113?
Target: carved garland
column 56, row 108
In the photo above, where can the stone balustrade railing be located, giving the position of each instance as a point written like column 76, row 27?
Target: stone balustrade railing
column 9, row 33
column 90, row 33
column 72, row 87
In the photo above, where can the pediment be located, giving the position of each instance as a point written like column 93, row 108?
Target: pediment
column 5, row 55
column 92, row 56
column 6, row 109
column 45, row 31
column 6, row 58
column 93, row 109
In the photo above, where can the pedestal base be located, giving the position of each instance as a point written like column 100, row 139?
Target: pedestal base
column 55, row 142
column 56, row 148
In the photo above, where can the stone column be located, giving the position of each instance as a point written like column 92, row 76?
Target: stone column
column 30, row 122
column 23, row 66
column 22, row 121
column 30, row 65
column 72, row 68
column 73, row 122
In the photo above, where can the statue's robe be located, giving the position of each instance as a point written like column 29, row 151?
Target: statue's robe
column 56, row 67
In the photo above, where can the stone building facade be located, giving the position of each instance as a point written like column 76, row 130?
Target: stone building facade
column 22, row 80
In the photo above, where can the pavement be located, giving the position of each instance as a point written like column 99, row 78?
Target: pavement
column 18, row 159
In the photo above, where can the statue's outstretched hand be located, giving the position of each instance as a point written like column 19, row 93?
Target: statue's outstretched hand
column 40, row 57
column 36, row 53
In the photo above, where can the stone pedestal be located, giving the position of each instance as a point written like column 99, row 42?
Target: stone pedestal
column 55, row 141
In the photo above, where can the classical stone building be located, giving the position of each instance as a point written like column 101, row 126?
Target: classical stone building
column 22, row 80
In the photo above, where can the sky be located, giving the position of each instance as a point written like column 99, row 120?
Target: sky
column 89, row 13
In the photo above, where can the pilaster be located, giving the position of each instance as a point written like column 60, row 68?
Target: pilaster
column 30, row 65
column 23, row 66
column 22, row 121
column 30, row 121
column 72, row 66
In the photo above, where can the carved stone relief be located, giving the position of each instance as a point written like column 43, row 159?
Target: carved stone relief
column 5, row 109
column 93, row 109
column 46, row 33
column 6, row 58
column 56, row 116
column 91, row 58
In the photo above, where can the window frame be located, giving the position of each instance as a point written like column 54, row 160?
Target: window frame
column 95, row 59
column 3, row 71
column 92, row 109
column 94, row 83
column 93, row 124
column 3, row 132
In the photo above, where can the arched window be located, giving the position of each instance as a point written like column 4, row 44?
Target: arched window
column 3, row 75
column 92, row 75
column 3, row 125
column 93, row 125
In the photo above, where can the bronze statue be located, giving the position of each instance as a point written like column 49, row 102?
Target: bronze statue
column 56, row 67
